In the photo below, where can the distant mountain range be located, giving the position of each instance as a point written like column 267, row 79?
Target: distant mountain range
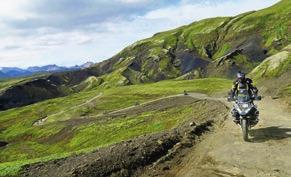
column 11, row 72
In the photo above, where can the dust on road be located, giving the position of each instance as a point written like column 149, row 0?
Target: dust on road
column 224, row 153
column 220, row 153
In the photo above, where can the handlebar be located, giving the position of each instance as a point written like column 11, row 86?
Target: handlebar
column 257, row 98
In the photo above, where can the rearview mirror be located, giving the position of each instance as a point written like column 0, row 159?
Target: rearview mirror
column 258, row 98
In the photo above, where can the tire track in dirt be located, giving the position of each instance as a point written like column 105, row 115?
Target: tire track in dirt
column 43, row 120
column 129, row 157
column 224, row 153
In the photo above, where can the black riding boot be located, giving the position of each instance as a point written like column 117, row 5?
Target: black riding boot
column 235, row 116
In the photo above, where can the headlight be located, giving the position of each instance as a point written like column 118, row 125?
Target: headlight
column 245, row 105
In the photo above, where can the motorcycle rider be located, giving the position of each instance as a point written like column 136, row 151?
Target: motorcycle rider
column 242, row 82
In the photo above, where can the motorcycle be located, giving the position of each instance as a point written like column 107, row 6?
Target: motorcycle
column 246, row 109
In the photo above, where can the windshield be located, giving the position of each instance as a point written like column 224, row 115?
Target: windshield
column 243, row 96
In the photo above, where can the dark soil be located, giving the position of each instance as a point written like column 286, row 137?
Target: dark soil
column 3, row 144
column 51, row 86
column 121, row 159
column 161, row 104
column 157, row 105
column 132, row 157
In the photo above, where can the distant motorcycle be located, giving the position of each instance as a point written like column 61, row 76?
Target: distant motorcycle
column 247, row 110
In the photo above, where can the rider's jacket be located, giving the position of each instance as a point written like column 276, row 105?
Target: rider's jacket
column 243, row 84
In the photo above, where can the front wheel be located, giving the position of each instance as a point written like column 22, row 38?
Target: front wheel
column 245, row 129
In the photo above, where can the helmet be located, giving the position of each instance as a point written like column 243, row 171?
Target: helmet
column 240, row 75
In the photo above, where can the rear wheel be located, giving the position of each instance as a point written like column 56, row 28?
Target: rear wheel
column 245, row 129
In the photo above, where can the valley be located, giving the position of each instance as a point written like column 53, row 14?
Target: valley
column 215, row 47
column 158, row 107
column 90, row 126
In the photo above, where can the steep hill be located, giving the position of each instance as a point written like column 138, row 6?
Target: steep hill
column 86, row 121
column 273, row 75
column 275, row 70
column 211, row 47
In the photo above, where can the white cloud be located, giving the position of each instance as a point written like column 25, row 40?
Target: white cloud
column 15, row 9
column 187, row 12
column 134, row 1
column 24, row 51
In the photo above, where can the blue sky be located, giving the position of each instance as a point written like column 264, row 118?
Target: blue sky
column 69, row 32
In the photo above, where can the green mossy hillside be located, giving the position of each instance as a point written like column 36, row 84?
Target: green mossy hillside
column 215, row 47
column 273, row 66
column 81, row 122
column 167, row 55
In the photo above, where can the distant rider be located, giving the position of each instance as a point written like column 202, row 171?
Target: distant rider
column 242, row 82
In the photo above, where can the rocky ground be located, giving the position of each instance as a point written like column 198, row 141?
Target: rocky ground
column 134, row 157
column 210, row 147
column 224, row 153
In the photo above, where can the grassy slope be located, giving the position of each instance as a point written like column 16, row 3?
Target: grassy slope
column 273, row 75
column 157, row 58
column 158, row 48
column 274, row 72
column 5, row 83
column 33, row 143
column 217, row 35
column 274, row 66
column 272, row 23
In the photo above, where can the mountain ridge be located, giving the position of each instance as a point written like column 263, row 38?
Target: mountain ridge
column 143, row 110
column 12, row 72
column 215, row 47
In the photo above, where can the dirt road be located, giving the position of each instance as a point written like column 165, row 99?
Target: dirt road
column 218, row 153
column 132, row 156
column 224, row 153
column 43, row 120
